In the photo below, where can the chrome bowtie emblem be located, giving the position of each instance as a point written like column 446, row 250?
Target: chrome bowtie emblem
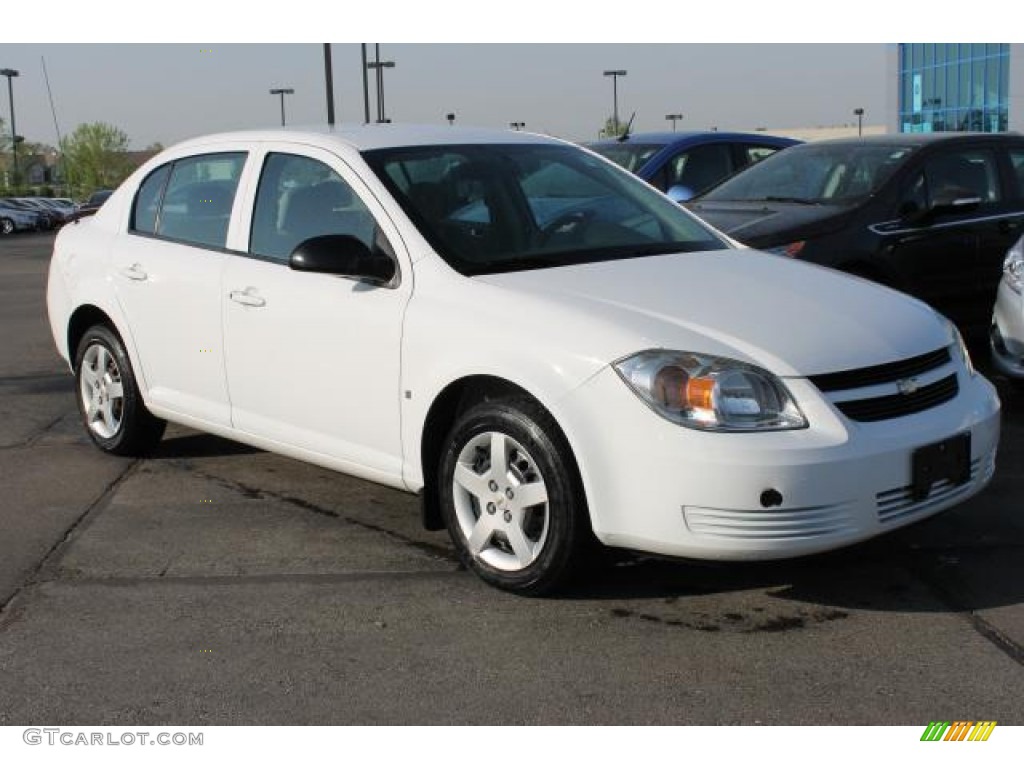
column 907, row 386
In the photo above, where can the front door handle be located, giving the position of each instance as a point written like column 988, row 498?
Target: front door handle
column 1008, row 226
column 134, row 272
column 248, row 297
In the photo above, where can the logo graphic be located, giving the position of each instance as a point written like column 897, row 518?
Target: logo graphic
column 907, row 386
column 960, row 730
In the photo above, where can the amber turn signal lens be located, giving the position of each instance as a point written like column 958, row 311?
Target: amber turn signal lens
column 700, row 393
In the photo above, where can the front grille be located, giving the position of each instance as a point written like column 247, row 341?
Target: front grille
column 893, row 406
column 881, row 374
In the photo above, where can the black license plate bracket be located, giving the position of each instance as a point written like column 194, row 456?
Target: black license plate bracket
column 948, row 459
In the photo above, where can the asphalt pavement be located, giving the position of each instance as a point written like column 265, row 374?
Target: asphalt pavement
column 216, row 584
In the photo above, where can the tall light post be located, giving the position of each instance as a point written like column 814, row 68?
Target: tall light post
column 380, row 66
column 329, row 83
column 517, row 125
column 615, row 74
column 281, row 92
column 673, row 117
column 10, row 74
column 859, row 112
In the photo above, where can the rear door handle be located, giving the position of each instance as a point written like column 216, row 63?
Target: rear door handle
column 248, row 297
column 1008, row 226
column 134, row 272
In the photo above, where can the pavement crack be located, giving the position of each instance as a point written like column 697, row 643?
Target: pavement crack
column 58, row 547
column 1006, row 644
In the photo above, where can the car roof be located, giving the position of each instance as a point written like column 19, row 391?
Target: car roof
column 377, row 136
column 668, row 137
column 920, row 139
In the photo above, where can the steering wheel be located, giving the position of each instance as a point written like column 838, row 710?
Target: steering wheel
column 570, row 223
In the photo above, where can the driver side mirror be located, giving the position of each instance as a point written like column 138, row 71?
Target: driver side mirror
column 342, row 255
column 679, row 193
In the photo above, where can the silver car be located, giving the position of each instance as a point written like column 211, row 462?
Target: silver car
column 1008, row 318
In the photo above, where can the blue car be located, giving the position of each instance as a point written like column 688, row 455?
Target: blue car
column 17, row 218
column 685, row 165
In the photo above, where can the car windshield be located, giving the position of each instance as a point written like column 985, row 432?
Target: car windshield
column 632, row 157
column 497, row 208
column 815, row 174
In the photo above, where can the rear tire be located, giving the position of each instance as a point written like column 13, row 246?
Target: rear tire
column 511, row 498
column 109, row 401
column 6, row 227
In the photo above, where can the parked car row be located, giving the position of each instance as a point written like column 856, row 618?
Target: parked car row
column 34, row 214
column 545, row 348
column 39, row 214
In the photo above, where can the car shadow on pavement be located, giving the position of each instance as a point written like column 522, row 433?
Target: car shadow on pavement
column 200, row 446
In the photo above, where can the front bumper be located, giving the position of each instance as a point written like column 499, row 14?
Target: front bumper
column 657, row 487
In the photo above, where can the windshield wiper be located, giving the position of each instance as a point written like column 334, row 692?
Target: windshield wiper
column 799, row 200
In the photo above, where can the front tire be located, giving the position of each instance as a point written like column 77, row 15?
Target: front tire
column 109, row 401
column 511, row 498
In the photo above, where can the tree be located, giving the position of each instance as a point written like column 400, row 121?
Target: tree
column 95, row 158
column 612, row 129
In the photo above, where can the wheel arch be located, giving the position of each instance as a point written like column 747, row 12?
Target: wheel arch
column 81, row 320
column 454, row 398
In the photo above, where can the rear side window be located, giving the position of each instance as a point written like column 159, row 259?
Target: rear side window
column 147, row 201
column 700, row 168
column 197, row 203
column 751, row 154
column 1017, row 161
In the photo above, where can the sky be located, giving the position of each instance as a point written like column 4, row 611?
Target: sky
column 739, row 65
column 169, row 92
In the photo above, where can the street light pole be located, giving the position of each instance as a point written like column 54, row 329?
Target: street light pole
column 615, row 74
column 380, row 66
column 366, row 87
column 10, row 74
column 281, row 92
column 859, row 112
column 329, row 81
column 673, row 117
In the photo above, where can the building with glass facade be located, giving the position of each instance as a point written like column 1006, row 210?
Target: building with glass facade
column 956, row 87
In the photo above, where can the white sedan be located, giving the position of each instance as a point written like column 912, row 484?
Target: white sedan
column 545, row 348
column 1008, row 318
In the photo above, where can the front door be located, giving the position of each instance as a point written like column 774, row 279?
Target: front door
column 313, row 360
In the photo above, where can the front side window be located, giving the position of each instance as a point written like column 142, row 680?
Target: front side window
column 495, row 208
column 197, row 203
column 964, row 173
column 299, row 198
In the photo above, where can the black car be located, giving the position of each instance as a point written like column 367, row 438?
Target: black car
column 93, row 204
column 929, row 214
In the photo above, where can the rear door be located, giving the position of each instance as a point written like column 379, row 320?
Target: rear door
column 167, row 274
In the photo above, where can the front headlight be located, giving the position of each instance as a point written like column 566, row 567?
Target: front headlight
column 710, row 393
column 961, row 348
column 1013, row 267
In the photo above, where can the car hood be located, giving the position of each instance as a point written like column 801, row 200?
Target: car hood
column 791, row 317
column 766, row 224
